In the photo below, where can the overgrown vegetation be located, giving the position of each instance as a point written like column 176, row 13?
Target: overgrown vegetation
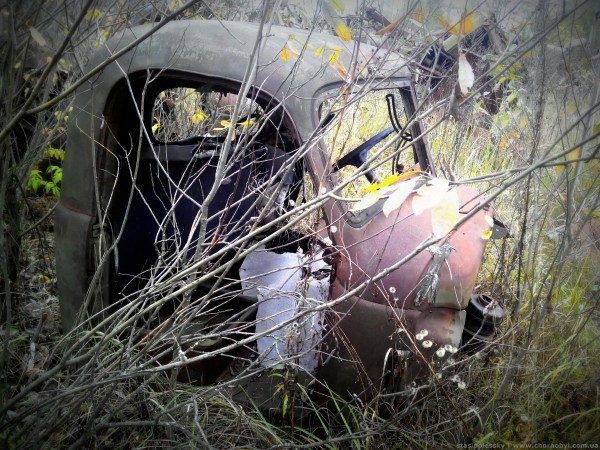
column 537, row 383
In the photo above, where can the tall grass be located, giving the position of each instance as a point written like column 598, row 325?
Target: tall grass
column 537, row 383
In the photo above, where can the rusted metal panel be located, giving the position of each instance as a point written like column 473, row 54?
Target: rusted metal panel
column 365, row 251
column 361, row 334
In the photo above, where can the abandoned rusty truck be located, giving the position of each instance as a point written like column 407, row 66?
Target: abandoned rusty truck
column 243, row 199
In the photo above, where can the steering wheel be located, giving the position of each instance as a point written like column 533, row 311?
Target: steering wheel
column 358, row 156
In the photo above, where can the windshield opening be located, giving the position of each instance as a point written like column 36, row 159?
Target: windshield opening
column 357, row 135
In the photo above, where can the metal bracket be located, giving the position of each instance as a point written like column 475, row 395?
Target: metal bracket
column 431, row 279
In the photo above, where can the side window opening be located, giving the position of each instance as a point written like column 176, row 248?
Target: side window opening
column 182, row 113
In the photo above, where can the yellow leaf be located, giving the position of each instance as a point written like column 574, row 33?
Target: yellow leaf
column 343, row 32
column 337, row 4
column 589, row 212
column 17, row 65
column 444, row 214
column 418, row 14
column 523, row 123
column 155, row 127
column 368, row 200
column 333, row 57
column 303, row 44
column 516, row 66
column 429, row 195
column 573, row 154
column 226, row 123
column 320, row 51
column 452, row 29
column 198, row 116
column 334, row 21
column 397, row 198
column 392, row 179
column 467, row 24
column 45, row 278
column 559, row 169
column 93, row 14
column 285, row 53
column 486, row 234
column 246, row 123
column 386, row 182
column 503, row 142
column 443, row 21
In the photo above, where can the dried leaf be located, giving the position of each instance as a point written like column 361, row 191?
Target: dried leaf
column 466, row 77
column 385, row 182
column 388, row 28
column 444, row 214
column 198, row 116
column 593, row 213
column 368, row 200
column 335, row 21
column 293, row 49
column 503, row 142
column 397, row 198
column 429, row 195
column 443, row 22
column 37, row 37
column 467, row 24
column 333, row 57
column 93, row 14
column 285, row 53
column 246, row 123
column 343, row 32
column 574, row 154
column 391, row 180
column 337, row 5
column 418, row 14
column 340, row 68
